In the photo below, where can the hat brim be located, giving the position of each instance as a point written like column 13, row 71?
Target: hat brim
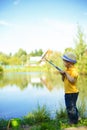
column 68, row 59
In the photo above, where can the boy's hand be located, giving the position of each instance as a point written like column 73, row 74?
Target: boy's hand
column 63, row 74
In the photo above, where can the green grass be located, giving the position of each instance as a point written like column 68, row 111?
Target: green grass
column 40, row 119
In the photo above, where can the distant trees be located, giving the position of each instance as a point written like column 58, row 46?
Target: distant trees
column 4, row 59
column 36, row 53
column 21, row 57
column 20, row 53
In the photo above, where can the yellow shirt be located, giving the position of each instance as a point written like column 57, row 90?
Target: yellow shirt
column 69, row 87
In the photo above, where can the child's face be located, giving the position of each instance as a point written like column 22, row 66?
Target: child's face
column 66, row 63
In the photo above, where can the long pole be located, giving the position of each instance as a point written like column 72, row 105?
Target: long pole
column 44, row 57
column 53, row 65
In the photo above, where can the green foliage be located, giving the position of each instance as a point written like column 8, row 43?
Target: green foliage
column 41, row 114
column 40, row 120
column 61, row 114
column 20, row 53
column 82, row 64
column 81, row 46
column 22, row 58
column 3, row 124
column 14, row 61
column 69, row 50
column 36, row 53
column 14, row 124
column 19, row 58
column 80, row 51
column 38, row 116
column 36, row 127
column 1, row 69
column 82, row 109
column 4, row 59
column 48, row 126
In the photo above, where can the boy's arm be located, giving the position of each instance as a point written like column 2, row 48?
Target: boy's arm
column 71, row 79
column 63, row 75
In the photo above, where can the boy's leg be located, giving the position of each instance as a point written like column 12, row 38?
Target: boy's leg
column 70, row 101
column 74, row 100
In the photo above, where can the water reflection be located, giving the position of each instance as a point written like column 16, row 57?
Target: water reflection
column 22, row 80
column 21, row 93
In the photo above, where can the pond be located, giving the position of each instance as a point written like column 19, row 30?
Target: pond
column 23, row 92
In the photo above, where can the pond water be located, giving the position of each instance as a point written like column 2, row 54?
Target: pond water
column 21, row 93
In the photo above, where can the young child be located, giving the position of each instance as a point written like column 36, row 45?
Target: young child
column 69, row 76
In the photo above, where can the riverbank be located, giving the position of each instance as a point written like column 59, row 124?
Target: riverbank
column 70, row 128
column 40, row 120
column 49, row 125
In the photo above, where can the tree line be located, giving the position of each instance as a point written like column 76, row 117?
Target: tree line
column 21, row 57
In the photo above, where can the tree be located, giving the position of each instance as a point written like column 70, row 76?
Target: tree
column 20, row 53
column 80, row 43
column 36, row 52
column 69, row 50
column 14, row 61
column 80, row 50
column 4, row 59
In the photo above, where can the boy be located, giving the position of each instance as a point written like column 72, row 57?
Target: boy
column 69, row 76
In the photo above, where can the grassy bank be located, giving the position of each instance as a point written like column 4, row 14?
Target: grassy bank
column 40, row 119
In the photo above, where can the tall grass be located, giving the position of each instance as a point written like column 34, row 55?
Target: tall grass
column 37, row 116
column 82, row 109
column 40, row 119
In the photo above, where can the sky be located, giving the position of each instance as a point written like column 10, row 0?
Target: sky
column 40, row 24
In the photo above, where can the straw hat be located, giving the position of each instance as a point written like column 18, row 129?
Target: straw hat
column 70, row 57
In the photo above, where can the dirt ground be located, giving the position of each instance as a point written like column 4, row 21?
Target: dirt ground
column 72, row 128
column 78, row 128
